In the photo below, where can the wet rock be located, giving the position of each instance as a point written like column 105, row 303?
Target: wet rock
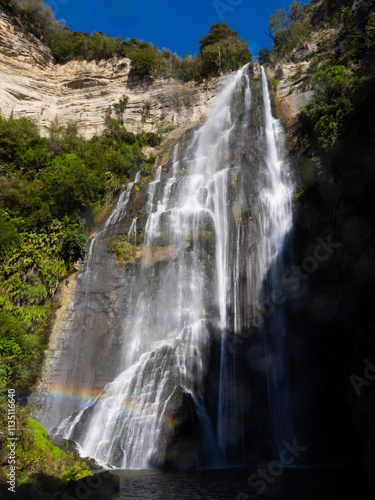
column 5, row 494
column 103, row 486
column 181, row 439
column 49, row 484
column 66, row 445
column 254, row 69
column 31, row 492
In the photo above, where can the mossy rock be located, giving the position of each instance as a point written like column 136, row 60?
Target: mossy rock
column 37, row 456
column 124, row 250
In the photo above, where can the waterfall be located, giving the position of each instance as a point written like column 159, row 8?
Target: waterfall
column 122, row 203
column 276, row 221
column 218, row 215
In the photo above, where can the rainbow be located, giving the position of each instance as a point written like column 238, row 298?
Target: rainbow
column 88, row 397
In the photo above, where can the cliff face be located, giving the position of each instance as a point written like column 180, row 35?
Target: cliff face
column 86, row 92
column 331, row 311
column 332, row 303
column 295, row 70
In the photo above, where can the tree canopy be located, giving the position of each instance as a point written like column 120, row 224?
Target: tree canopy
column 221, row 49
column 286, row 28
column 217, row 33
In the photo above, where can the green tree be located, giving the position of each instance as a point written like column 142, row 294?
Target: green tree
column 63, row 139
column 35, row 14
column 222, row 50
column 72, row 186
column 20, row 351
column 145, row 60
column 61, row 42
column 9, row 237
column 295, row 11
column 217, row 33
column 287, row 28
column 278, row 22
column 21, row 146
column 333, row 102
column 264, row 55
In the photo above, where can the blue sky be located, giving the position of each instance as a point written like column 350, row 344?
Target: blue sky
column 177, row 25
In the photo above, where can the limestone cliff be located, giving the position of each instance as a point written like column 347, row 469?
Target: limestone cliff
column 85, row 92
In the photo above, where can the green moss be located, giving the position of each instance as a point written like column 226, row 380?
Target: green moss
column 307, row 172
column 123, row 249
column 36, row 455
column 297, row 197
column 41, row 441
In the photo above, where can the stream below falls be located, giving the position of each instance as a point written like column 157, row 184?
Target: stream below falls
column 232, row 484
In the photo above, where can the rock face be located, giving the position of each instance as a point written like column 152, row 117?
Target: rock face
column 332, row 307
column 294, row 71
column 291, row 92
column 181, row 439
column 32, row 85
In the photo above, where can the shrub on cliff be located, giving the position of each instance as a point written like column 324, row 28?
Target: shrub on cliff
column 9, row 237
column 67, row 45
column 286, row 29
column 19, row 351
column 21, row 146
column 36, row 16
column 333, row 102
column 72, row 186
column 145, row 59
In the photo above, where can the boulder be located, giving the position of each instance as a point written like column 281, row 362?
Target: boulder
column 179, row 440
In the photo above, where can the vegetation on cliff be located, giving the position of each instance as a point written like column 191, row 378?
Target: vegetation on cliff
column 221, row 50
column 287, row 29
column 36, row 455
column 50, row 190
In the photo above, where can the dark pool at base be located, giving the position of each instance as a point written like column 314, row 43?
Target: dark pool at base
column 232, row 484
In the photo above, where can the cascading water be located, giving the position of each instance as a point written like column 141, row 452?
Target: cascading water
column 218, row 215
column 72, row 374
column 276, row 221
column 122, row 203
